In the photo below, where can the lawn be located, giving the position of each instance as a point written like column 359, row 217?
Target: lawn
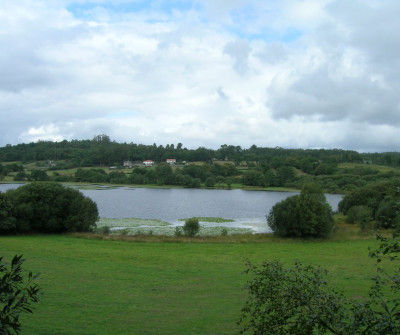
column 100, row 287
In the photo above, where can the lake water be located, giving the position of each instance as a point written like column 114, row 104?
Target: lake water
column 247, row 208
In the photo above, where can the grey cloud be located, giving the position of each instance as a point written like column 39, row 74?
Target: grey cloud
column 222, row 94
column 273, row 53
column 371, row 26
column 368, row 95
column 330, row 99
column 239, row 50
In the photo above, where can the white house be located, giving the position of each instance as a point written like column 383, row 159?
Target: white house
column 171, row 161
column 128, row 164
column 148, row 162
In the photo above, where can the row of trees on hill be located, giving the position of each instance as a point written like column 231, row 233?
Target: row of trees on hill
column 101, row 150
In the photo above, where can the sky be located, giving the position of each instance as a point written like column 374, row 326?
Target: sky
column 287, row 73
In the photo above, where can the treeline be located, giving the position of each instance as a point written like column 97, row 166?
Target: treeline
column 102, row 151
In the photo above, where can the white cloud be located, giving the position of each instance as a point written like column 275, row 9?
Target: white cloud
column 293, row 73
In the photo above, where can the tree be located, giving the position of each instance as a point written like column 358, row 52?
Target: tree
column 17, row 293
column 210, row 182
column 47, row 207
column 7, row 221
column 388, row 213
column 298, row 300
column 165, row 174
column 39, row 175
column 191, row 227
column 304, row 215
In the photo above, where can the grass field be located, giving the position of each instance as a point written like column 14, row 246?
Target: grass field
column 380, row 168
column 94, row 286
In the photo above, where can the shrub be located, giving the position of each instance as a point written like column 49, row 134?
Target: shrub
column 104, row 230
column 360, row 215
column 191, row 227
column 388, row 213
column 178, row 231
column 298, row 300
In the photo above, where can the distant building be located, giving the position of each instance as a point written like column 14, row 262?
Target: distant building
column 171, row 161
column 148, row 162
column 128, row 164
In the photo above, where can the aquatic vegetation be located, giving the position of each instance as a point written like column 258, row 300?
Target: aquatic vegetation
column 129, row 222
column 171, row 231
column 209, row 219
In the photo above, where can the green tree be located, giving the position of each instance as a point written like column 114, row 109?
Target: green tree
column 284, row 175
column 191, row 227
column 304, row 215
column 47, row 207
column 165, row 175
column 39, row 175
column 253, row 178
column 20, row 176
column 7, row 221
column 388, row 213
column 17, row 293
column 210, row 182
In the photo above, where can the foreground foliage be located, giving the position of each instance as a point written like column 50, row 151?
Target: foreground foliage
column 16, row 295
column 298, row 300
column 46, row 207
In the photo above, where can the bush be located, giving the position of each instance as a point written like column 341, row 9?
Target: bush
column 388, row 213
column 298, row 300
column 369, row 195
column 178, row 231
column 17, row 293
column 47, row 207
column 304, row 215
column 191, row 227
column 360, row 215
column 105, row 230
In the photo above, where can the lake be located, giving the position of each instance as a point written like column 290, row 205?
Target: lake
column 247, row 208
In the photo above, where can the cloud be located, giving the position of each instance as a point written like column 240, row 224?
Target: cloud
column 350, row 76
column 239, row 50
column 290, row 73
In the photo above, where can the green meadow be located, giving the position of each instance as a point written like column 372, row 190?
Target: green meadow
column 104, row 286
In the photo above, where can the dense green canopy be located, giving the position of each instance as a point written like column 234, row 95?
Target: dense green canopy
column 46, row 207
column 304, row 215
